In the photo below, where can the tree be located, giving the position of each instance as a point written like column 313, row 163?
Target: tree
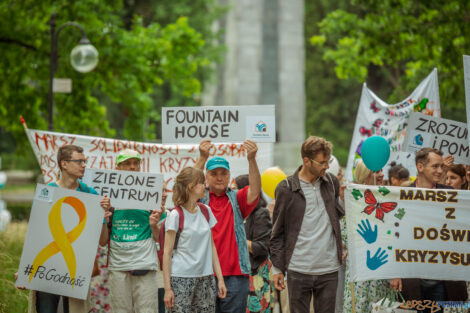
column 135, row 57
column 402, row 41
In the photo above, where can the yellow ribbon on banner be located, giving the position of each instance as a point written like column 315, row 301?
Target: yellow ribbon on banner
column 62, row 240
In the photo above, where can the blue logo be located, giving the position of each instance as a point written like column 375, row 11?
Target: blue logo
column 261, row 127
column 419, row 140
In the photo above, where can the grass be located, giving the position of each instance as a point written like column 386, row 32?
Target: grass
column 12, row 189
column 11, row 245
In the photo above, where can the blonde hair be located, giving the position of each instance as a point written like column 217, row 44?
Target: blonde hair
column 361, row 173
column 186, row 179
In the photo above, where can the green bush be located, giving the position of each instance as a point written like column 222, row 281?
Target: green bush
column 11, row 245
column 19, row 211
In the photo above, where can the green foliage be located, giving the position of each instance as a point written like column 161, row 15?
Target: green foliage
column 11, row 245
column 405, row 39
column 137, row 57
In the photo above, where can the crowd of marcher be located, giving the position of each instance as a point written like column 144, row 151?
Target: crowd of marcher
column 226, row 249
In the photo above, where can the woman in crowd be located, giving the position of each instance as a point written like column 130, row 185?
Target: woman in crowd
column 258, row 231
column 367, row 292
column 397, row 174
column 457, row 177
column 189, row 268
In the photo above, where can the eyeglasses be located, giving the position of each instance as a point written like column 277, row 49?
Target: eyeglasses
column 78, row 161
column 322, row 164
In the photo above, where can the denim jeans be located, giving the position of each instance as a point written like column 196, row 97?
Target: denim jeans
column 48, row 302
column 238, row 288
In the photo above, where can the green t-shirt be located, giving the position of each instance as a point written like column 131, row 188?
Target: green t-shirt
column 132, row 246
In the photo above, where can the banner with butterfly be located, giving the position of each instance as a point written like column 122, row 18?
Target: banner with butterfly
column 375, row 117
column 395, row 232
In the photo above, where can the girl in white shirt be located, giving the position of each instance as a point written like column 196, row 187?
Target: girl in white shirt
column 189, row 268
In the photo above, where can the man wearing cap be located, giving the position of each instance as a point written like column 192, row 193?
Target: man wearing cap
column 230, row 208
column 133, row 258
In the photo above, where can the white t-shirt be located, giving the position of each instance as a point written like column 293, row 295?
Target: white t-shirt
column 193, row 255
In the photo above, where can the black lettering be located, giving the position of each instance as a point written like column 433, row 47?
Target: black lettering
column 432, row 257
column 139, row 181
column 129, row 182
column 180, row 116
column 444, row 256
column 444, row 143
column 399, row 255
column 233, row 116
column 441, row 130
column 441, row 196
column 169, row 115
column 464, row 149
column 450, row 213
column 452, row 195
column 114, row 193
column 453, row 148
column 422, row 255
column 451, row 131
column 214, row 131
column 224, row 132
column 412, row 256
column 132, row 193
column 418, row 233
column 150, row 181
column 432, row 234
column 406, row 195
column 218, row 117
column 96, row 179
column 112, row 178
column 179, row 131
column 419, row 195
column 432, row 124
column 153, row 195
column 203, row 131
column 430, row 195
column 193, row 129
column 458, row 234
column 423, row 122
column 464, row 133
column 454, row 258
column 465, row 259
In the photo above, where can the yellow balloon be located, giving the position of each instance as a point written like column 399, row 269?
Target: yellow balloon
column 270, row 178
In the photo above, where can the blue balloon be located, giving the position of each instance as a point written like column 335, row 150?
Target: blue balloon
column 375, row 153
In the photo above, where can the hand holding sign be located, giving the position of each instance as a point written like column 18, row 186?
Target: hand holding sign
column 204, row 148
column 251, row 149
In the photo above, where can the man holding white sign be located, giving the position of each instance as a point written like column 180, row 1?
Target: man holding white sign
column 230, row 208
column 430, row 167
column 72, row 163
column 133, row 258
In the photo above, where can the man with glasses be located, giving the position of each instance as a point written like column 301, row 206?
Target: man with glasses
column 430, row 167
column 306, row 238
column 72, row 164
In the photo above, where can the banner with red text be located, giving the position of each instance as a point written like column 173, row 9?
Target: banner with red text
column 168, row 160
column 375, row 117
column 395, row 232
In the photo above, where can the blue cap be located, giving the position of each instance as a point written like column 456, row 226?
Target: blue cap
column 217, row 162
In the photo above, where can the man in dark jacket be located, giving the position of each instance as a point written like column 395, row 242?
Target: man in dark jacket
column 430, row 167
column 306, row 239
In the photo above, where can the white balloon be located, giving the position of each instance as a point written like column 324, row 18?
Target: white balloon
column 3, row 179
column 334, row 166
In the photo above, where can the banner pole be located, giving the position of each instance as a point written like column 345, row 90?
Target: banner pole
column 353, row 298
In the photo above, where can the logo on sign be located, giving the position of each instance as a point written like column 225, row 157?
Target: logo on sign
column 419, row 140
column 261, row 127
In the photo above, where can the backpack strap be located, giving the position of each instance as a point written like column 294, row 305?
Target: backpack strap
column 204, row 210
column 180, row 224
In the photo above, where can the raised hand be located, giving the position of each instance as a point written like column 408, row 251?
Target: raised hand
column 379, row 259
column 154, row 217
column 204, row 148
column 365, row 230
column 251, row 149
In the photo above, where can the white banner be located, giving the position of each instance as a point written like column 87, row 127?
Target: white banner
column 376, row 117
column 433, row 132
column 219, row 123
column 398, row 232
column 168, row 160
column 126, row 189
column 61, row 242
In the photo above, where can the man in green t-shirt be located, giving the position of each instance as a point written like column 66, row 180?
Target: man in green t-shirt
column 133, row 258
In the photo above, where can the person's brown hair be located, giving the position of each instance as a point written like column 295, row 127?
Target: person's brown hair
column 187, row 178
column 460, row 170
column 65, row 153
column 422, row 156
column 314, row 145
